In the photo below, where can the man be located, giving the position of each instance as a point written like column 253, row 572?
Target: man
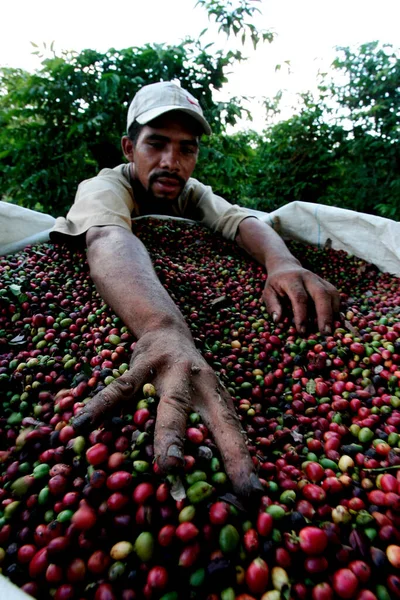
column 164, row 126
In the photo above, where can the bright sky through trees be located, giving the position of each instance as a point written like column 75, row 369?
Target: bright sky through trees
column 306, row 33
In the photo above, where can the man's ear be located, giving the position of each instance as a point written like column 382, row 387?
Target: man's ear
column 127, row 148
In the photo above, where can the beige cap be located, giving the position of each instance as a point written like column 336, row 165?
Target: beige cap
column 153, row 100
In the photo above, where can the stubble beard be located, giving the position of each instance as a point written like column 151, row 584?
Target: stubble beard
column 160, row 197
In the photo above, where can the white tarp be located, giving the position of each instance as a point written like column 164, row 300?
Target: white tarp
column 9, row 591
column 374, row 239
column 21, row 226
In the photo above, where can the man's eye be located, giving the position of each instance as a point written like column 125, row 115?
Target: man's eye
column 157, row 145
column 188, row 150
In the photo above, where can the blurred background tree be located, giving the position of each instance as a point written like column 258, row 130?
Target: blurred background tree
column 341, row 148
column 63, row 123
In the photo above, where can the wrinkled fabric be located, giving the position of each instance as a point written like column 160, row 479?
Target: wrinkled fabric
column 108, row 199
column 374, row 239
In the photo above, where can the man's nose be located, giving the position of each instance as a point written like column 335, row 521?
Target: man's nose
column 170, row 159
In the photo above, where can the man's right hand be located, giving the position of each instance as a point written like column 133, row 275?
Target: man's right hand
column 184, row 382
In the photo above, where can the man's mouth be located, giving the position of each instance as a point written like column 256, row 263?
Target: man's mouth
column 167, row 183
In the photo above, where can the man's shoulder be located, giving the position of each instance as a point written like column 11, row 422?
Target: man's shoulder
column 109, row 178
column 115, row 171
column 194, row 186
column 121, row 172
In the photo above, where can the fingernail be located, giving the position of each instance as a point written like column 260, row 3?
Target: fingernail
column 327, row 329
column 81, row 422
column 274, row 317
column 175, row 452
column 302, row 329
column 256, row 483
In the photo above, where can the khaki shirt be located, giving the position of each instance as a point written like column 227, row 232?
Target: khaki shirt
column 108, row 199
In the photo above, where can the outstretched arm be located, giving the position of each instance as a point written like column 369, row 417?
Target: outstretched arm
column 286, row 277
column 164, row 354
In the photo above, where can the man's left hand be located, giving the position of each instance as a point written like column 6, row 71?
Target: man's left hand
column 290, row 280
column 287, row 278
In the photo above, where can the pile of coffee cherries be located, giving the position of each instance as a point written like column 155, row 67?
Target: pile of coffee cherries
column 90, row 517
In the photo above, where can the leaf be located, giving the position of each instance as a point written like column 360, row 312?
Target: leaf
column 362, row 268
column 218, row 301
column 351, row 328
column 371, row 389
column 297, row 437
column 135, row 436
column 231, row 499
column 286, row 592
column 310, row 386
column 18, row 340
column 177, row 489
column 5, row 153
column 15, row 289
column 86, row 369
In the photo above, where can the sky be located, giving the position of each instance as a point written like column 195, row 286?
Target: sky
column 306, row 33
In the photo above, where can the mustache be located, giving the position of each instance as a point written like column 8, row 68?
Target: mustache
column 160, row 174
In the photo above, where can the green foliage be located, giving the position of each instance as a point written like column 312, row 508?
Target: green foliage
column 370, row 155
column 237, row 20
column 63, row 123
column 293, row 163
column 341, row 148
column 371, row 93
column 226, row 163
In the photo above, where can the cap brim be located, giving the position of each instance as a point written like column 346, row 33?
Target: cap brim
column 152, row 114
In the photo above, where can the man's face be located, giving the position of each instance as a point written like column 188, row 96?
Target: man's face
column 165, row 155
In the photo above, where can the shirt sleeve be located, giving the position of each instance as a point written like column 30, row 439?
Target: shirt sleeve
column 201, row 204
column 103, row 200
